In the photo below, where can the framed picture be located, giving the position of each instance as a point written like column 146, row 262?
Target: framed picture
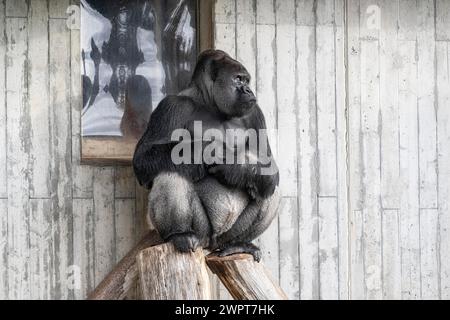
column 133, row 54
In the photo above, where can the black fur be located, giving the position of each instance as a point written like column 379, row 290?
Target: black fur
column 187, row 205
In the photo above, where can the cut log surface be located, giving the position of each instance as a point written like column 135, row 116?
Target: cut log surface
column 123, row 277
column 166, row 274
column 245, row 278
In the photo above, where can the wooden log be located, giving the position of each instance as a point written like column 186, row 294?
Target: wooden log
column 166, row 274
column 245, row 278
column 123, row 277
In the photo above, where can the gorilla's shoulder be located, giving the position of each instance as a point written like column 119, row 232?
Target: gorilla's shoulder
column 176, row 103
column 255, row 119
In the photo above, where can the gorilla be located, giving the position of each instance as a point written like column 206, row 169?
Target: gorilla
column 224, row 205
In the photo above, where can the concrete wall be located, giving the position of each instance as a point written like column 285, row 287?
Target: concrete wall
column 359, row 92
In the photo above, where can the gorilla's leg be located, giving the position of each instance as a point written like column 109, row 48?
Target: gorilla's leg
column 177, row 213
column 222, row 204
column 252, row 222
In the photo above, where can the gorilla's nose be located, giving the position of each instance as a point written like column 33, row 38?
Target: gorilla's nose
column 247, row 90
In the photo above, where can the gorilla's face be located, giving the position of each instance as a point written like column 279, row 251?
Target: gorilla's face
column 231, row 90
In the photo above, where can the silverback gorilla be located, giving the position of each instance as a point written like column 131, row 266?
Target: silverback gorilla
column 223, row 205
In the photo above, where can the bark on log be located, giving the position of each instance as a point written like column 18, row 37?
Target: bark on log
column 165, row 273
column 245, row 278
column 123, row 277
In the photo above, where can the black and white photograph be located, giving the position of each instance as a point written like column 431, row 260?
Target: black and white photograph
column 133, row 54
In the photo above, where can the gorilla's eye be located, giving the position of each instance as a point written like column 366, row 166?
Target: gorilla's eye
column 242, row 79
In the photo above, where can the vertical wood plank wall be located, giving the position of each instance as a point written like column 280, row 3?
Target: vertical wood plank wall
column 63, row 226
column 359, row 94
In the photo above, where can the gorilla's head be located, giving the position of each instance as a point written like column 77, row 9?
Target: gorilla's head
column 225, row 82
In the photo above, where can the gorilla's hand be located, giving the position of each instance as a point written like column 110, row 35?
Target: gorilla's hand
column 246, row 177
column 264, row 186
column 222, row 172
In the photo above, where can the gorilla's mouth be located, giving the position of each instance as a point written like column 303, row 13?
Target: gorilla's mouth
column 248, row 102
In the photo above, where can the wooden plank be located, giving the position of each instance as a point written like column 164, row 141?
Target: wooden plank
column 265, row 12
column 289, row 256
column 286, row 97
column 341, row 150
column 38, row 91
column 443, row 118
column 357, row 281
column 326, row 110
column 287, row 146
column 58, row 8
column 370, row 124
column 429, row 246
column 83, row 240
column 3, row 249
column 61, row 161
column 104, row 227
column 107, row 151
column 265, row 84
column 325, row 34
column 428, row 156
column 141, row 205
column 392, row 289
column 266, row 64
column 305, row 13
column 167, row 274
column 225, row 26
column 357, row 290
column 125, row 183
column 225, row 39
column 389, row 67
column 442, row 20
column 82, row 175
column 206, row 24
column 3, row 176
column 18, row 152
column 16, row 8
column 354, row 100
column 215, row 294
column 245, row 278
column 122, row 279
column 325, row 12
column 409, row 175
column 369, row 19
column 41, row 250
column 307, row 164
column 426, row 105
column 225, row 12
column 124, row 224
column 246, row 37
column 328, row 249
column 407, row 19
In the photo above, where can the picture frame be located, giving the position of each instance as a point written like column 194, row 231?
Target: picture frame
column 105, row 150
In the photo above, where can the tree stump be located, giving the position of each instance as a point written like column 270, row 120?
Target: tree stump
column 245, row 278
column 166, row 274
column 123, row 278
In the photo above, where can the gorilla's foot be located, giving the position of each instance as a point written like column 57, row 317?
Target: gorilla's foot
column 185, row 242
column 241, row 248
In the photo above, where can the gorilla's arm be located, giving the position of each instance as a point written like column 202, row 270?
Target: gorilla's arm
column 260, row 179
column 153, row 151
